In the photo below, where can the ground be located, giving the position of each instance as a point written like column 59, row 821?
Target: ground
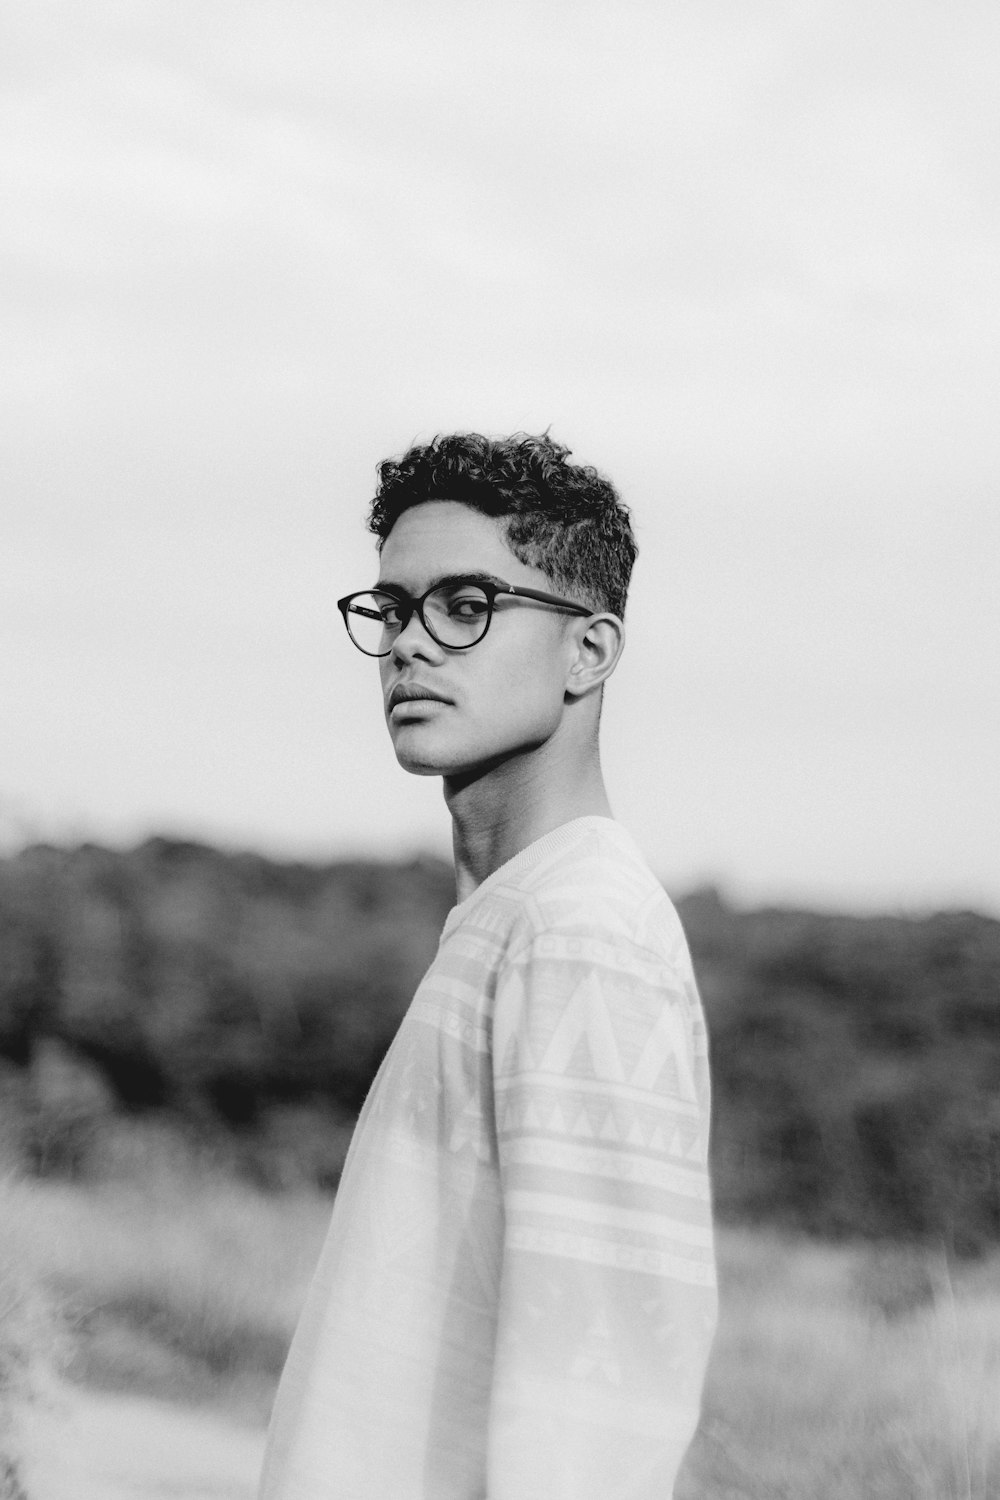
column 85, row 1445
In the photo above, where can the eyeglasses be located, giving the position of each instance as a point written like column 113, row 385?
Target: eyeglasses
column 456, row 613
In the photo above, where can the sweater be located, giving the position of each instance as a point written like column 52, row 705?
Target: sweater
column 516, row 1298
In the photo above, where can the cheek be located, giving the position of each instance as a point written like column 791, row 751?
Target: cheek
column 526, row 689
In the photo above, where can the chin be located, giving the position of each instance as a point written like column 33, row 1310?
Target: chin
column 429, row 760
column 417, row 767
column 427, row 749
column 419, row 759
column 455, row 768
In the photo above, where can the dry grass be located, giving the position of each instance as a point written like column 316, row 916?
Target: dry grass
column 186, row 1286
column 842, row 1372
column 838, row 1372
column 30, row 1354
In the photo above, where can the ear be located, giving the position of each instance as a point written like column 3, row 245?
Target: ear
column 599, row 643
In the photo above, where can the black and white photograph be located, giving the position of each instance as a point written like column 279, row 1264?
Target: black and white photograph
column 499, row 750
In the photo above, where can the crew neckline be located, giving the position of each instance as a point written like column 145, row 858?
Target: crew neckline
column 548, row 843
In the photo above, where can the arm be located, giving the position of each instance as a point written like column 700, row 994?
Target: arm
column 607, row 1300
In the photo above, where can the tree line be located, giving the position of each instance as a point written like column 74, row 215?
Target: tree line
column 238, row 1005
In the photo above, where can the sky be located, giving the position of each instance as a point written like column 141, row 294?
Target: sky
column 742, row 258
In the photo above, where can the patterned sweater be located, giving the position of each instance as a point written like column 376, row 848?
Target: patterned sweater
column 516, row 1298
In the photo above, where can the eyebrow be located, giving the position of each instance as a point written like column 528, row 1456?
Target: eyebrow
column 468, row 576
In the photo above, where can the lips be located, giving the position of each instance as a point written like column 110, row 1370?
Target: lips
column 412, row 692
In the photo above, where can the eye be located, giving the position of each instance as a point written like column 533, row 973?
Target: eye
column 468, row 606
column 390, row 611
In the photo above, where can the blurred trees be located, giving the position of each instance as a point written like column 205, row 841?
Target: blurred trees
column 242, row 1006
column 231, row 995
column 856, row 1064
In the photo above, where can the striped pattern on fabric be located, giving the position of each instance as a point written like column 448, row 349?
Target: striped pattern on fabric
column 517, row 1295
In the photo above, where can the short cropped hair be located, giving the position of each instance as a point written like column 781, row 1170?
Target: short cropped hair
column 565, row 519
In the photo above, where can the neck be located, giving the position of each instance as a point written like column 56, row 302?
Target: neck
column 499, row 811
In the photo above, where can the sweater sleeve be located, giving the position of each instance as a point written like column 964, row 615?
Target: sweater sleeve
column 607, row 1298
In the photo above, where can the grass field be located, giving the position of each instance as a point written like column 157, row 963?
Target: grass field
column 842, row 1372
column 185, row 1286
column 838, row 1372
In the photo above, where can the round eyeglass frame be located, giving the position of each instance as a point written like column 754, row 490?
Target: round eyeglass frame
column 410, row 606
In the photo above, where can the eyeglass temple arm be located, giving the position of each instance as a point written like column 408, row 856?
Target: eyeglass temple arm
column 544, row 598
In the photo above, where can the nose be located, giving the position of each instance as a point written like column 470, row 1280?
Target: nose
column 413, row 643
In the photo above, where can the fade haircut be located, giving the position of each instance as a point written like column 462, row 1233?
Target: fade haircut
column 565, row 519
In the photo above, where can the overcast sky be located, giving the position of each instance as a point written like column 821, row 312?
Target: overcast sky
column 742, row 257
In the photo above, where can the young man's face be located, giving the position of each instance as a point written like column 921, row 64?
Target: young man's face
column 503, row 696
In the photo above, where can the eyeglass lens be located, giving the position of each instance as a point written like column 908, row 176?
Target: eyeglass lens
column 456, row 615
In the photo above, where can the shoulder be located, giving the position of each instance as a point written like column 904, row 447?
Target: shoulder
column 598, row 891
column 596, row 973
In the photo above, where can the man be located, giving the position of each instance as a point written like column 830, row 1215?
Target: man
column 517, row 1294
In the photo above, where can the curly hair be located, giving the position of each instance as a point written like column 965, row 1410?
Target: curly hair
column 565, row 519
